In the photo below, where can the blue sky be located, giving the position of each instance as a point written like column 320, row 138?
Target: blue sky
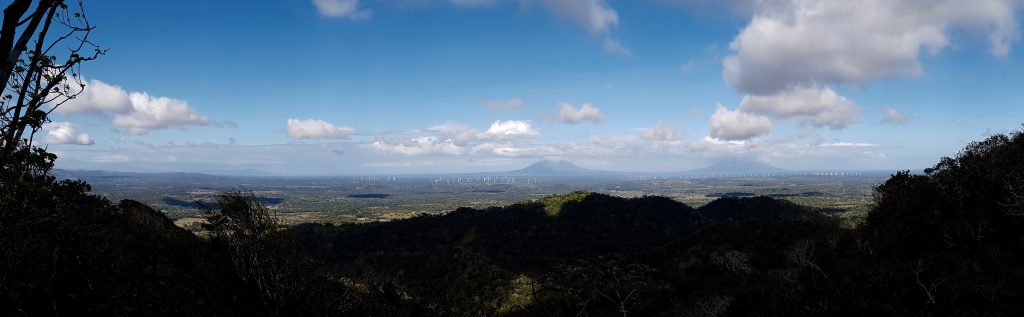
column 336, row 87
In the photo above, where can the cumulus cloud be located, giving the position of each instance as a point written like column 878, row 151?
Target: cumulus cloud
column 348, row 9
column 418, row 146
column 317, row 129
column 567, row 113
column 737, row 134
column 893, row 116
column 791, row 51
column 137, row 113
column 736, row 125
column 505, row 105
column 502, row 138
column 511, row 128
column 65, row 133
column 97, row 98
column 802, row 42
column 815, row 106
column 455, row 133
column 152, row 113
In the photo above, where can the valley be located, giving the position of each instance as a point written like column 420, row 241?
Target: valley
column 360, row 199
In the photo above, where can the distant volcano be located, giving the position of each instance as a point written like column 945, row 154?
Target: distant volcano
column 736, row 166
column 552, row 167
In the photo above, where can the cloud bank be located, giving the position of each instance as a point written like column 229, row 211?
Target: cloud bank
column 317, row 129
column 135, row 113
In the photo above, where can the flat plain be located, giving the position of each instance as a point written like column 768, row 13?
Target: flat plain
column 358, row 199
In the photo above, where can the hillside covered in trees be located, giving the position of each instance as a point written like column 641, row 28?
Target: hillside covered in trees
column 950, row 242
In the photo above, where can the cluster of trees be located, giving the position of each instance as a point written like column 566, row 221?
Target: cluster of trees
column 71, row 253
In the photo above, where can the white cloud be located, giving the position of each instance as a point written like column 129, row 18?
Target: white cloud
column 65, row 133
column 456, row 133
column 152, row 113
column 137, row 113
column 97, row 98
column 792, row 51
column 736, row 125
column 503, row 138
column 738, row 134
column 505, row 105
column 418, row 146
column 510, row 128
column 317, row 129
column 816, row 106
column 792, row 43
column 512, row 150
column 567, row 113
column 638, row 151
column 341, row 9
column 893, row 116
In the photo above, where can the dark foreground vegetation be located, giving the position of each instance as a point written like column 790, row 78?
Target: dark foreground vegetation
column 950, row 242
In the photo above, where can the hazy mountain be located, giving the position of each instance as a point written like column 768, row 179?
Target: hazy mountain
column 554, row 167
column 735, row 166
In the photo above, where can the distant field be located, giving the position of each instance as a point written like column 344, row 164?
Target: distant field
column 366, row 199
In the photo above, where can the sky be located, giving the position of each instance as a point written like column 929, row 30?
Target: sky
column 355, row 87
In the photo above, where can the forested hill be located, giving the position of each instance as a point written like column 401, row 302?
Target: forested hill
column 557, row 254
column 603, row 255
column 551, row 231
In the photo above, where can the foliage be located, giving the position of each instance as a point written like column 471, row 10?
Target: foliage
column 267, row 259
column 553, row 203
column 948, row 242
